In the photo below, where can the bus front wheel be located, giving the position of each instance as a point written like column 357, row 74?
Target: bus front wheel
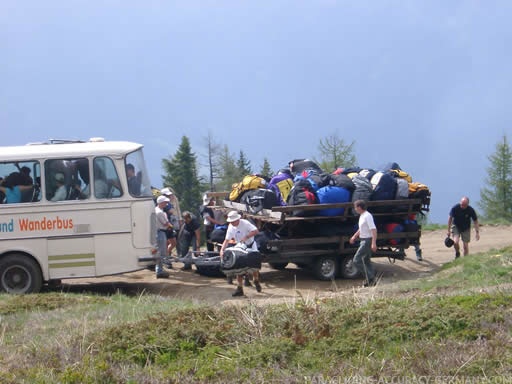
column 19, row 274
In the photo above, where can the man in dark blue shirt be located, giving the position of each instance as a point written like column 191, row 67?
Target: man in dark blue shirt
column 459, row 225
column 190, row 235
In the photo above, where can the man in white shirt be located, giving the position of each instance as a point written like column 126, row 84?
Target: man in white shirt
column 61, row 192
column 162, row 224
column 367, row 233
column 242, row 231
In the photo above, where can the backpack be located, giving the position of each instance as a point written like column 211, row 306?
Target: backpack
column 299, row 165
column 402, row 189
column 363, row 188
column 342, row 180
column 281, row 183
column 302, row 194
column 248, row 182
column 331, row 194
column 258, row 199
column 384, row 186
column 394, row 228
column 368, row 173
column 420, row 191
column 401, row 174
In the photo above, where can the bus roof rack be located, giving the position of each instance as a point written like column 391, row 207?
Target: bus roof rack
column 65, row 141
column 56, row 141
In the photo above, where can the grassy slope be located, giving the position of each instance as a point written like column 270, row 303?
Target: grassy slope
column 456, row 323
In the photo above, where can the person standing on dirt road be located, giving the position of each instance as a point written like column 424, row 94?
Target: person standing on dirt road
column 209, row 220
column 242, row 231
column 367, row 234
column 190, row 235
column 459, row 225
column 162, row 225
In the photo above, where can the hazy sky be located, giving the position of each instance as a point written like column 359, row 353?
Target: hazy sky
column 426, row 84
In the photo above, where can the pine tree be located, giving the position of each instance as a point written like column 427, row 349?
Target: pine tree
column 228, row 171
column 496, row 198
column 266, row 171
column 335, row 153
column 214, row 151
column 243, row 164
column 181, row 174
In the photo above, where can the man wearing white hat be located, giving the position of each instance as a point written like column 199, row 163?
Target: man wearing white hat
column 162, row 225
column 173, row 214
column 242, row 231
column 61, row 192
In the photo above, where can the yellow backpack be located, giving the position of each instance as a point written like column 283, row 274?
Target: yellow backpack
column 401, row 174
column 248, row 182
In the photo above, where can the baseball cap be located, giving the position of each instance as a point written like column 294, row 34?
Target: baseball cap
column 162, row 199
column 166, row 191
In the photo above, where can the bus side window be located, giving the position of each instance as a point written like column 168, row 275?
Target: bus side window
column 106, row 179
column 18, row 185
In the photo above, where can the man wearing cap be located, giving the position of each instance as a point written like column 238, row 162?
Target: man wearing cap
column 162, row 225
column 172, row 215
column 61, row 192
column 242, row 231
column 209, row 220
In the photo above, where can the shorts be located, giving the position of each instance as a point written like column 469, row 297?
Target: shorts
column 464, row 235
column 170, row 233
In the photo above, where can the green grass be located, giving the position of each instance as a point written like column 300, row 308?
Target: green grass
column 453, row 324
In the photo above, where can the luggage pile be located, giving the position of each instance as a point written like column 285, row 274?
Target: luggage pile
column 304, row 183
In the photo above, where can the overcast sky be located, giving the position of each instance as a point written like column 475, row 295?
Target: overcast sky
column 426, row 84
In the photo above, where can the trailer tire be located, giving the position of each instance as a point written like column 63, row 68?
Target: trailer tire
column 325, row 268
column 20, row 274
column 347, row 268
column 278, row 266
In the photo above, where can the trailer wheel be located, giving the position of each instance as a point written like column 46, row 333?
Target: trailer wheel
column 347, row 268
column 19, row 274
column 325, row 268
column 278, row 266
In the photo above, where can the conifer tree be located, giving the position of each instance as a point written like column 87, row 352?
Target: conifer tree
column 243, row 164
column 214, row 151
column 266, row 171
column 334, row 153
column 181, row 175
column 228, row 171
column 496, row 197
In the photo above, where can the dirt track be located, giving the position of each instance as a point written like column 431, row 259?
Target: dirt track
column 291, row 282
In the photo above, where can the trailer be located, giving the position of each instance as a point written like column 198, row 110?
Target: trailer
column 321, row 244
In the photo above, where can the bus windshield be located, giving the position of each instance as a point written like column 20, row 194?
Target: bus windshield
column 137, row 175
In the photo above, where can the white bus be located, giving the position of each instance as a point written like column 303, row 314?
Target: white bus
column 72, row 209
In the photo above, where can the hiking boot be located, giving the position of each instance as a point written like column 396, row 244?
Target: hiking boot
column 418, row 255
column 238, row 292
column 257, row 285
column 457, row 255
column 247, row 282
column 229, row 279
column 162, row 275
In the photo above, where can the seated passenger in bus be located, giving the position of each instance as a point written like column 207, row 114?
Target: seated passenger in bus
column 134, row 180
column 12, row 189
column 101, row 188
column 77, row 192
column 61, row 193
